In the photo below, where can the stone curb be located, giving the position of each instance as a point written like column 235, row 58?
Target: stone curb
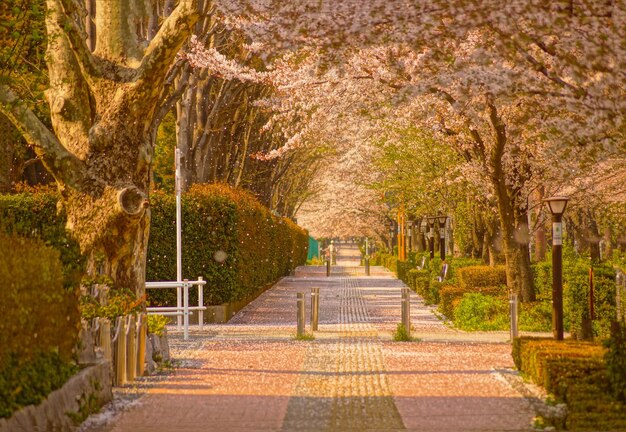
column 88, row 390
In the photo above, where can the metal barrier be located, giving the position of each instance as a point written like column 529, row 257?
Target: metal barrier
column 184, row 309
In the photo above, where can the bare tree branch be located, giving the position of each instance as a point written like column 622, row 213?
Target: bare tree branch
column 59, row 161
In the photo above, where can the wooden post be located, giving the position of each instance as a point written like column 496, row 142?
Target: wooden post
column 131, row 348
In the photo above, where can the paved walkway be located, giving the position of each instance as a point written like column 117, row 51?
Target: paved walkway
column 251, row 375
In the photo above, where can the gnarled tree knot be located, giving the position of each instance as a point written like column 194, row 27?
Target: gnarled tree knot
column 132, row 201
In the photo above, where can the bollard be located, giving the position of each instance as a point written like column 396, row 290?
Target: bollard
column 105, row 339
column 328, row 267
column 142, row 329
column 200, row 303
column 186, row 309
column 131, row 348
column 513, row 310
column 300, row 317
column 315, row 308
column 406, row 310
column 120, row 351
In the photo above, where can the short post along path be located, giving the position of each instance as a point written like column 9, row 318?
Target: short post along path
column 250, row 374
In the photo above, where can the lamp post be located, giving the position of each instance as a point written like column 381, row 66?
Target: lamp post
column 442, row 235
column 423, row 230
column 391, row 233
column 431, row 236
column 409, row 232
column 557, row 207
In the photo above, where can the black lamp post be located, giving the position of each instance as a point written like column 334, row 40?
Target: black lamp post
column 442, row 235
column 557, row 207
column 431, row 236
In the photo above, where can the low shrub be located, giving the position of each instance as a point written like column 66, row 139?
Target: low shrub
column 477, row 311
column 575, row 373
column 411, row 275
column 27, row 380
column 421, row 281
column 40, row 323
column 481, row 276
column 431, row 292
column 616, row 360
column 35, row 215
column 157, row 323
column 535, row 316
column 450, row 296
column 403, row 268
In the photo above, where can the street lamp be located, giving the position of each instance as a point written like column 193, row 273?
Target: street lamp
column 557, row 207
column 392, row 231
column 442, row 235
column 431, row 242
column 409, row 230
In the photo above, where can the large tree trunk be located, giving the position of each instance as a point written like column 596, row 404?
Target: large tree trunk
column 513, row 218
column 540, row 229
column 103, row 106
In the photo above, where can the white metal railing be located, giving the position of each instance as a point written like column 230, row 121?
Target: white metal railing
column 180, row 309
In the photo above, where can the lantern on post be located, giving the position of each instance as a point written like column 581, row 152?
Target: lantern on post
column 557, row 207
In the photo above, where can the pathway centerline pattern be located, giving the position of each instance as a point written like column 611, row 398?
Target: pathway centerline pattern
column 252, row 375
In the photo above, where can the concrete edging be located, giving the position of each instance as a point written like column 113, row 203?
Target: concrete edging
column 87, row 390
column 222, row 313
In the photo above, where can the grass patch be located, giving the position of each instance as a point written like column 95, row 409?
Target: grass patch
column 401, row 335
column 304, row 337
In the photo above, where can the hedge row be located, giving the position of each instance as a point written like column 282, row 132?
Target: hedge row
column 229, row 238
column 35, row 215
column 574, row 372
column 39, row 324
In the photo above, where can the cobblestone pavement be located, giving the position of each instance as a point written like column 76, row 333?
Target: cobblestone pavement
column 251, row 374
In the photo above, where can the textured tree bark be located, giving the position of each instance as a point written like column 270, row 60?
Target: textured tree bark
column 102, row 109
column 540, row 229
column 514, row 242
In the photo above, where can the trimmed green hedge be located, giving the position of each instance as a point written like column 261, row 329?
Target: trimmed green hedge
column 35, row 215
column 474, row 277
column 229, row 238
column 450, row 296
column 39, row 324
column 574, row 372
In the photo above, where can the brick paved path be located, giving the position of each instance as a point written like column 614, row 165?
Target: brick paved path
column 251, row 375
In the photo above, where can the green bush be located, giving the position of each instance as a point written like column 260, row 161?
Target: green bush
column 40, row 323
column 574, row 372
column 576, row 299
column 431, row 292
column 35, row 215
column 477, row 311
column 229, row 238
column 535, row 316
column 421, row 282
column 450, row 297
column 403, row 268
column 542, row 274
column 27, row 380
column 616, row 360
column 474, row 277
